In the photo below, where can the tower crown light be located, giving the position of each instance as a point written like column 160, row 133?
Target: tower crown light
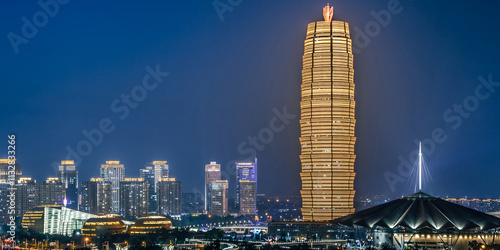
column 328, row 13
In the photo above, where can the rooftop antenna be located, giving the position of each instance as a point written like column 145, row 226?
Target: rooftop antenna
column 420, row 166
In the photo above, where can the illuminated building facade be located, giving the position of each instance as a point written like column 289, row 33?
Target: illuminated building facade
column 170, row 196
column 150, row 225
column 68, row 175
column 52, row 192
column 327, row 121
column 248, row 199
column 54, row 219
column 27, row 195
column 134, row 194
column 218, row 198
column 152, row 174
column 245, row 171
column 212, row 173
column 4, row 171
column 113, row 172
column 96, row 196
column 104, row 225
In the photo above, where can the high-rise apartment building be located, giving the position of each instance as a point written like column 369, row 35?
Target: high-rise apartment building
column 212, row 173
column 327, row 121
column 52, row 192
column 169, row 196
column 8, row 175
column 218, row 198
column 113, row 172
column 68, row 175
column 134, row 194
column 27, row 195
column 6, row 170
column 246, row 172
column 153, row 173
column 96, row 196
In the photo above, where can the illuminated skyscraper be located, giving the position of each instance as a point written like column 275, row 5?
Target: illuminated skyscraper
column 5, row 167
column 28, row 195
column 96, row 196
column 153, row 173
column 68, row 175
column 218, row 198
column 134, row 198
column 327, row 121
column 113, row 172
column 212, row 173
column 169, row 196
column 246, row 174
column 52, row 192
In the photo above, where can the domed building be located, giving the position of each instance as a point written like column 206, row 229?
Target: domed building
column 104, row 224
column 150, row 224
column 421, row 220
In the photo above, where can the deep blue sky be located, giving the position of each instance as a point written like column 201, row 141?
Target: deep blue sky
column 227, row 76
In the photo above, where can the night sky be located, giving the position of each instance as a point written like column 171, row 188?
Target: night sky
column 228, row 72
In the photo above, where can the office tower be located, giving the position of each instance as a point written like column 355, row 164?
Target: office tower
column 169, row 196
column 68, row 175
column 27, row 195
column 52, row 192
column 245, row 171
column 134, row 198
column 218, row 198
column 248, row 199
column 327, row 121
column 96, row 196
column 212, row 173
column 5, row 169
column 113, row 172
column 153, row 174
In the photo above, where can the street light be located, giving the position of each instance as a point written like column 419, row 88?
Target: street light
column 86, row 241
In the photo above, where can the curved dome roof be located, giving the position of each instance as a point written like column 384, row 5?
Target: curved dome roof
column 421, row 211
column 150, row 224
column 104, row 224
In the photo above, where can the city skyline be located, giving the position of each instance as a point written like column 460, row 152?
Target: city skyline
column 402, row 94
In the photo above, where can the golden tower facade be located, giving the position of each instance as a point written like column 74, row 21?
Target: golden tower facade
column 327, row 121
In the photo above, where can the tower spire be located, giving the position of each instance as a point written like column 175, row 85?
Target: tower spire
column 328, row 13
column 420, row 166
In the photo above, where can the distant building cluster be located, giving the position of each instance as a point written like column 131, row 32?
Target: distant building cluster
column 483, row 205
column 154, row 192
column 216, row 189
